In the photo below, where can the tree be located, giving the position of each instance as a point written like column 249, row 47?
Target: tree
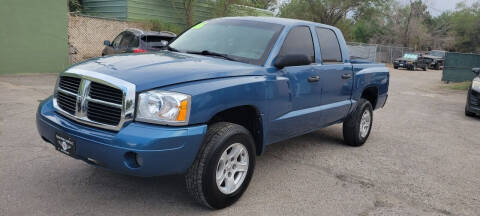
column 187, row 10
column 329, row 12
column 262, row 4
column 75, row 5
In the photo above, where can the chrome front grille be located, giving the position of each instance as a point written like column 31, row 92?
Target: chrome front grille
column 95, row 99
column 70, row 84
column 105, row 93
column 67, row 102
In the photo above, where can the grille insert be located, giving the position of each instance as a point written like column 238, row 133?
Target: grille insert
column 105, row 93
column 67, row 102
column 103, row 113
column 70, row 84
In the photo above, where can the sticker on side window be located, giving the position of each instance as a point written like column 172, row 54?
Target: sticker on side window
column 200, row 25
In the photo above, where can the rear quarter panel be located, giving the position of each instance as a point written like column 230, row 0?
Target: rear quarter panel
column 371, row 75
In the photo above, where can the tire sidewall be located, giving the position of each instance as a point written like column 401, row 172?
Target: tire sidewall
column 363, row 106
column 213, row 195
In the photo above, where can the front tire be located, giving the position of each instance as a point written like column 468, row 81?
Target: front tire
column 358, row 125
column 224, row 166
column 468, row 113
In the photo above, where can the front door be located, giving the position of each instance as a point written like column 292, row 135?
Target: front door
column 304, row 86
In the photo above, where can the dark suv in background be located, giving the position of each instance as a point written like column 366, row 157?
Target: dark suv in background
column 435, row 59
column 411, row 61
column 473, row 99
column 138, row 41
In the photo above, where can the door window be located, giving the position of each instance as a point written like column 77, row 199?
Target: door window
column 127, row 40
column 299, row 41
column 329, row 45
column 116, row 41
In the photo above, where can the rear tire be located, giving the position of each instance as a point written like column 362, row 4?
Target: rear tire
column 227, row 148
column 358, row 125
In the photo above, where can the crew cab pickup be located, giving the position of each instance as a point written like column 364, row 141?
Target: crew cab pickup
column 209, row 105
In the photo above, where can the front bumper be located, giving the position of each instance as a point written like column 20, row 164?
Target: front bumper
column 402, row 65
column 473, row 102
column 164, row 150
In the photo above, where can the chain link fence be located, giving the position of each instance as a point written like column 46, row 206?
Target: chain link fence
column 86, row 35
column 376, row 52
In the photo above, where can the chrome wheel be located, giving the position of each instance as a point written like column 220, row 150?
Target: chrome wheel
column 365, row 123
column 232, row 168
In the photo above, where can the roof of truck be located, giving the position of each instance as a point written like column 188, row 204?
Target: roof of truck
column 277, row 20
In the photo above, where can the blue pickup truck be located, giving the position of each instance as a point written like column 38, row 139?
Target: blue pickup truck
column 224, row 90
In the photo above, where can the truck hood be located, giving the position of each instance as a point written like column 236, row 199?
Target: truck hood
column 432, row 57
column 404, row 59
column 153, row 70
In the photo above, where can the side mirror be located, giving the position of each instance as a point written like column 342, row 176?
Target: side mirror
column 164, row 43
column 107, row 43
column 292, row 60
column 476, row 71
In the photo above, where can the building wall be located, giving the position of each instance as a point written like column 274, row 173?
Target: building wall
column 33, row 36
column 115, row 9
column 167, row 11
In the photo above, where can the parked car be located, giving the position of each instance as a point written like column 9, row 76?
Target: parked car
column 435, row 59
column 138, row 41
column 210, row 104
column 411, row 61
column 473, row 99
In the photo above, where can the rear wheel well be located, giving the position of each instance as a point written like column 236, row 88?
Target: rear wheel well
column 371, row 94
column 247, row 116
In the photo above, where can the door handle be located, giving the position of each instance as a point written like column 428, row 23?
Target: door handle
column 314, row 79
column 347, row 76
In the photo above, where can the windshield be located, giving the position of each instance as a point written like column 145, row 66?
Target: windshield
column 410, row 56
column 240, row 40
column 437, row 53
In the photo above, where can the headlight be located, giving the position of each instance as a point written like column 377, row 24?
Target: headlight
column 163, row 107
column 476, row 84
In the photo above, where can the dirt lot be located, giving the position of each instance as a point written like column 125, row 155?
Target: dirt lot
column 423, row 158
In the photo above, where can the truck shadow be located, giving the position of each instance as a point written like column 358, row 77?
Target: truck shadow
column 168, row 193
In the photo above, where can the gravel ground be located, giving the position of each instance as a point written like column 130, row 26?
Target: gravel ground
column 422, row 158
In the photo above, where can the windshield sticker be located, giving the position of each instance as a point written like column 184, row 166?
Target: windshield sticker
column 200, row 25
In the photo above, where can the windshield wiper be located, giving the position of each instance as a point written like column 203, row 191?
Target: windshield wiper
column 210, row 53
column 169, row 48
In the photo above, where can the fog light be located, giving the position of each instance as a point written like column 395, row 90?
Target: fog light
column 133, row 160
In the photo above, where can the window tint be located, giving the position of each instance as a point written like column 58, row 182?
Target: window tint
column 329, row 45
column 242, row 40
column 128, row 40
column 116, row 41
column 299, row 41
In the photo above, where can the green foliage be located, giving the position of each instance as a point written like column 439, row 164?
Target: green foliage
column 329, row 12
column 392, row 23
column 75, row 5
column 462, row 86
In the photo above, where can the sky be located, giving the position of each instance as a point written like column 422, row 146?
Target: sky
column 436, row 7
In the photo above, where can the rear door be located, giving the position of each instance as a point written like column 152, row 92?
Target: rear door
column 336, row 76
